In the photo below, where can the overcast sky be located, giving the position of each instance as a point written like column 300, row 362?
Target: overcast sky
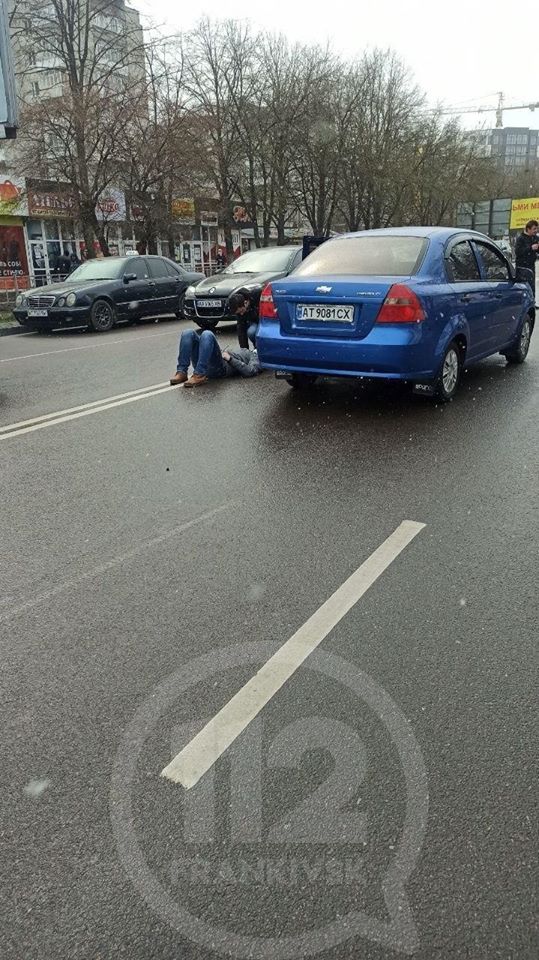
column 465, row 50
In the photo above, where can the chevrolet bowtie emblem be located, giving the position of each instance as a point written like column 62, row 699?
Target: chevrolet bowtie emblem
column 322, row 290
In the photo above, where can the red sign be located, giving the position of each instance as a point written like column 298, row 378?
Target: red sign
column 13, row 262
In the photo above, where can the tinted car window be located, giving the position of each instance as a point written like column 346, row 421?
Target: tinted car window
column 173, row 269
column 495, row 267
column 157, row 267
column 269, row 259
column 137, row 266
column 104, row 268
column 461, row 264
column 297, row 259
column 389, row 256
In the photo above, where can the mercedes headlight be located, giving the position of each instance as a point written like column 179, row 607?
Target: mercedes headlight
column 61, row 302
column 190, row 292
column 20, row 300
column 71, row 299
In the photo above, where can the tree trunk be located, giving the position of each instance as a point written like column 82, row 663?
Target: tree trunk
column 87, row 216
column 102, row 237
column 227, row 230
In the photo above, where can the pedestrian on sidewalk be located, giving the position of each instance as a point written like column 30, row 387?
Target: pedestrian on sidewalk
column 203, row 351
column 526, row 250
column 243, row 306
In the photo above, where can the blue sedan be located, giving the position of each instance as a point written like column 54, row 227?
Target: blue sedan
column 416, row 304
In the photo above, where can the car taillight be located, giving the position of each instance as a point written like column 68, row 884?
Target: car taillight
column 401, row 305
column 267, row 308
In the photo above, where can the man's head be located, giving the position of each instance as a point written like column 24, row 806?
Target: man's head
column 238, row 303
column 531, row 228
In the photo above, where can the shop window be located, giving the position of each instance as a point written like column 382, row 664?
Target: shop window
column 35, row 231
column 52, row 231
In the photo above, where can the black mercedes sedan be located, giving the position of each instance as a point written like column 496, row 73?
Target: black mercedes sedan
column 101, row 293
column 206, row 303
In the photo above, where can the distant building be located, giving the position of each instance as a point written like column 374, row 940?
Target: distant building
column 514, row 149
column 115, row 41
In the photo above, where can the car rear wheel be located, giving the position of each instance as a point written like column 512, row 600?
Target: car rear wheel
column 519, row 352
column 103, row 316
column 450, row 372
column 300, row 381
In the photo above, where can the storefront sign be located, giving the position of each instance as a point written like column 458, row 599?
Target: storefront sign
column 208, row 218
column 54, row 201
column 241, row 216
column 13, row 262
column 522, row 211
column 111, row 206
column 183, row 210
column 13, row 197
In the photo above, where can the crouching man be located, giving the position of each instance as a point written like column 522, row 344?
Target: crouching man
column 202, row 350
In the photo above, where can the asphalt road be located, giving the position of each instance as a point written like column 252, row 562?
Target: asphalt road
column 156, row 553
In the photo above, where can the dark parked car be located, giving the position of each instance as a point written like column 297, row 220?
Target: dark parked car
column 206, row 305
column 101, row 293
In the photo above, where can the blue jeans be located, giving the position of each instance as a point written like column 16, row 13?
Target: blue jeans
column 246, row 331
column 252, row 332
column 203, row 351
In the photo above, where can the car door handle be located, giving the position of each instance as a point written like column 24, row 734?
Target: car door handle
column 497, row 296
column 465, row 297
column 152, row 283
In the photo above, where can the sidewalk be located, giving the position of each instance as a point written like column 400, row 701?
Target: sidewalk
column 8, row 324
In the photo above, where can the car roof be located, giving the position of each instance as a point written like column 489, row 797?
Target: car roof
column 288, row 246
column 427, row 233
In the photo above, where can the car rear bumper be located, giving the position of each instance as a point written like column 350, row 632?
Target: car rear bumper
column 391, row 352
column 56, row 317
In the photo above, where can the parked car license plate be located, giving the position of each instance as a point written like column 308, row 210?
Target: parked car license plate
column 38, row 313
column 208, row 303
column 336, row 312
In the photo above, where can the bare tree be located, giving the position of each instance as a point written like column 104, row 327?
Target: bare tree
column 92, row 52
column 213, row 78
column 159, row 149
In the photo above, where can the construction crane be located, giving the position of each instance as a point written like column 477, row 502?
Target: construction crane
column 499, row 109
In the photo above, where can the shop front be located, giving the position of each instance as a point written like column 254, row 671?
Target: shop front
column 53, row 230
column 13, row 252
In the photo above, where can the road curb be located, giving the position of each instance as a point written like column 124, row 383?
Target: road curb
column 9, row 331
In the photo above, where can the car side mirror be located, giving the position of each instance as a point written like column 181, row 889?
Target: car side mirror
column 129, row 276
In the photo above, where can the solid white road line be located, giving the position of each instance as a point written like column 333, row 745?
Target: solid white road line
column 85, row 413
column 89, row 346
column 101, row 568
column 202, row 752
column 82, row 406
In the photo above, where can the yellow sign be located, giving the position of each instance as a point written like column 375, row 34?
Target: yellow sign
column 522, row 211
column 183, row 209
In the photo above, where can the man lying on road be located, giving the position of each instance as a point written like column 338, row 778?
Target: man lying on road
column 204, row 352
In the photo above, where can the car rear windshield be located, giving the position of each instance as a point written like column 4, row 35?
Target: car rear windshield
column 270, row 260
column 391, row 256
column 102, row 269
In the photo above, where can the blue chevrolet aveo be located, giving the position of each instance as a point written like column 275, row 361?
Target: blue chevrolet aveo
column 416, row 304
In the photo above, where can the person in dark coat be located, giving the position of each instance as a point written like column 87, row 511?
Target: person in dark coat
column 62, row 266
column 526, row 249
column 242, row 305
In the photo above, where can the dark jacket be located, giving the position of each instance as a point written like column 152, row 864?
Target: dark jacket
column 242, row 363
column 524, row 255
